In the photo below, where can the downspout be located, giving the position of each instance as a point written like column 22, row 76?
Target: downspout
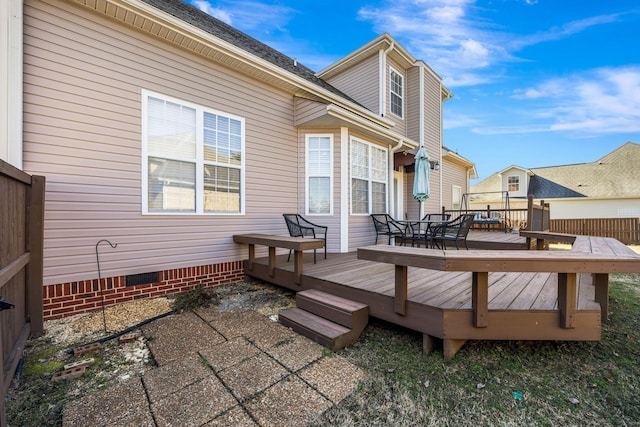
column 382, row 60
column 421, row 135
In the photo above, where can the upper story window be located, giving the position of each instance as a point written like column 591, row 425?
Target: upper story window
column 192, row 158
column 396, row 89
column 319, row 173
column 368, row 178
column 513, row 183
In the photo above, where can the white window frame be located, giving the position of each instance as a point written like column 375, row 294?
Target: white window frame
column 308, row 175
column 199, row 160
column 516, row 183
column 392, row 93
column 370, row 180
column 456, row 197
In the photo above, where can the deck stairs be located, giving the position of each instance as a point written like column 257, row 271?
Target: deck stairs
column 329, row 320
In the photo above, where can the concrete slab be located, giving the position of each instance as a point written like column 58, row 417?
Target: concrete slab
column 236, row 417
column 334, row 377
column 295, row 353
column 290, row 402
column 174, row 337
column 108, row 407
column 194, row 405
column 252, row 375
column 229, row 353
column 170, row 378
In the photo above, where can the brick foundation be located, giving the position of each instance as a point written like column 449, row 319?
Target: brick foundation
column 66, row 299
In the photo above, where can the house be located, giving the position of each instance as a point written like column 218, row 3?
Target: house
column 606, row 188
column 165, row 131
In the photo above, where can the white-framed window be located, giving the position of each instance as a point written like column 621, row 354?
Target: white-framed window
column 513, row 183
column 369, row 178
column 319, row 174
column 192, row 158
column 396, row 92
column 456, row 197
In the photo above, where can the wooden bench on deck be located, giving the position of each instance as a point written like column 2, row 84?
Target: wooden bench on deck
column 596, row 255
column 297, row 244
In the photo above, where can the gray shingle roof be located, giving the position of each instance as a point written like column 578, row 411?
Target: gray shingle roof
column 203, row 21
column 616, row 175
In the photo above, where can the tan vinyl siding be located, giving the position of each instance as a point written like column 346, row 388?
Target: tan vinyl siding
column 82, row 130
column 412, row 103
column 452, row 174
column 306, row 110
column 360, row 82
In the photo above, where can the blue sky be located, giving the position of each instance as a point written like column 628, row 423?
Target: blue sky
column 535, row 82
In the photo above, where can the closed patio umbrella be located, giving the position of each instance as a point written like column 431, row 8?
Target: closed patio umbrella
column 421, row 177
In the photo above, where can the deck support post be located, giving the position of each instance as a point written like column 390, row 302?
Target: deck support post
column 567, row 299
column 601, row 283
column 298, row 260
column 480, row 299
column 272, row 261
column 428, row 344
column 400, row 300
column 451, row 347
column 252, row 256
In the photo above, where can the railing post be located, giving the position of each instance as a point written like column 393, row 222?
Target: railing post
column 35, row 245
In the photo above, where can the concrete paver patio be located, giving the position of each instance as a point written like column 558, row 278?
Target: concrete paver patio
column 219, row 368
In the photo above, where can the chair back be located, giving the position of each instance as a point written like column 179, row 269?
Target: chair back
column 381, row 222
column 293, row 224
column 459, row 227
column 437, row 217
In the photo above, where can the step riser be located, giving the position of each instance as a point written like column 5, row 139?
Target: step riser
column 318, row 329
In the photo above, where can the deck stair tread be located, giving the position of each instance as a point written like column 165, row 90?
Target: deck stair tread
column 330, row 320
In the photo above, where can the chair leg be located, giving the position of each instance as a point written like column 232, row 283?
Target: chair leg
column 289, row 257
column 314, row 256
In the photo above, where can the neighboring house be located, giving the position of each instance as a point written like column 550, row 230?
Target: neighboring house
column 606, row 188
column 166, row 131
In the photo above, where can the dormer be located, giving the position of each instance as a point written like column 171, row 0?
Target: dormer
column 515, row 180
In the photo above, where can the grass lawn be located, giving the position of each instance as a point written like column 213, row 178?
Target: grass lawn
column 501, row 382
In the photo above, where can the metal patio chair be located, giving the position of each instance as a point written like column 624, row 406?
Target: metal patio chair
column 385, row 225
column 300, row 227
column 455, row 231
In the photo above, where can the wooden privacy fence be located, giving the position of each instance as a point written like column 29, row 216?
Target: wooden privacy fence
column 21, row 240
column 627, row 230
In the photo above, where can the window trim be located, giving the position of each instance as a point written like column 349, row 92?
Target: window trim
column 455, row 188
column 307, row 175
column 369, row 145
column 199, row 159
column 393, row 71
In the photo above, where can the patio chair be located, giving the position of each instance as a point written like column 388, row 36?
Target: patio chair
column 385, row 225
column 418, row 231
column 455, row 230
column 300, row 227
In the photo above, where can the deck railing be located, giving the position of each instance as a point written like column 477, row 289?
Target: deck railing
column 21, row 234
column 533, row 218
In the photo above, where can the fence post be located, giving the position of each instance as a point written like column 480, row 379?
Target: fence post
column 35, row 244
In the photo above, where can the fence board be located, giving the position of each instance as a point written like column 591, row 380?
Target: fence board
column 21, row 234
column 627, row 230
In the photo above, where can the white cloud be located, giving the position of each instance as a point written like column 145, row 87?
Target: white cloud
column 596, row 102
column 455, row 39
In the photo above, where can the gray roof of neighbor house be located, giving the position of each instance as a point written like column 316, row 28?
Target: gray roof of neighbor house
column 616, row 175
column 205, row 22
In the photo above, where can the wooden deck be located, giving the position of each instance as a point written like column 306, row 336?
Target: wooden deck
column 439, row 304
